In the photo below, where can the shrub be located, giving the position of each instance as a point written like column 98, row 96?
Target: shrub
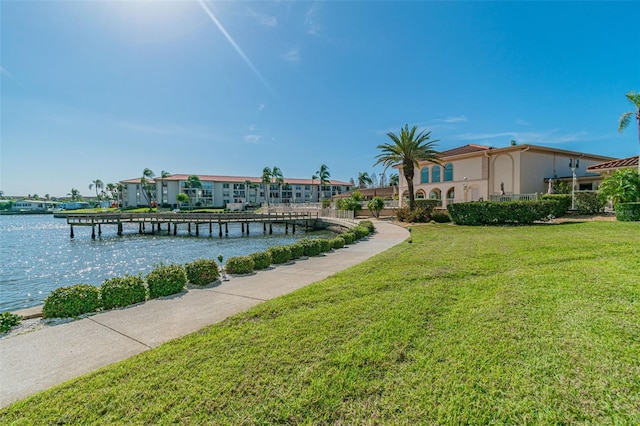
column 122, row 291
column 261, row 260
column 280, row 254
column 589, row 203
column 417, row 215
column 337, row 242
column 496, row 213
column 440, row 217
column 240, row 265
column 360, row 231
column 165, row 280
column 349, row 204
column 8, row 320
column 202, row 271
column 428, row 205
column 71, row 301
column 563, row 203
column 348, row 237
column 297, row 250
column 375, row 206
column 628, row 212
column 368, row 224
column 311, row 246
column 325, row 245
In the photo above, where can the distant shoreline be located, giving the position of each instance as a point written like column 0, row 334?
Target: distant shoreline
column 15, row 213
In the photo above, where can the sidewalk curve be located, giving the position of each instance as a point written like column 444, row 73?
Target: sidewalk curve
column 35, row 361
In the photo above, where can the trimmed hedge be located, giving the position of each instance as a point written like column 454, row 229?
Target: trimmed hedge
column 589, row 203
column 311, row 246
column 563, row 206
column 202, row 271
column 297, row 250
column 165, row 280
column 348, row 237
column 122, row 291
column 428, row 205
column 417, row 215
column 628, row 212
column 368, row 224
column 240, row 265
column 261, row 260
column 440, row 217
column 280, row 254
column 499, row 213
column 325, row 245
column 71, row 301
column 337, row 243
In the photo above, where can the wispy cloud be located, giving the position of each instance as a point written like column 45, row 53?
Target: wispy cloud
column 252, row 138
column 4, row 72
column 521, row 122
column 292, row 55
column 235, row 45
column 262, row 19
column 311, row 20
column 455, row 119
column 173, row 130
column 261, row 107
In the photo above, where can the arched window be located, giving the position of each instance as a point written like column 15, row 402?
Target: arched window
column 424, row 175
column 451, row 194
column 448, row 172
column 435, row 174
column 435, row 194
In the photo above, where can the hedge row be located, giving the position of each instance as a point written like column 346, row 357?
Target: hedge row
column 628, row 212
column 164, row 280
column 498, row 213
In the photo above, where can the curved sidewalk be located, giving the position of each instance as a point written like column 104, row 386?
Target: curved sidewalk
column 35, row 361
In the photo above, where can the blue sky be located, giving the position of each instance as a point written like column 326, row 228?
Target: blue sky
column 102, row 90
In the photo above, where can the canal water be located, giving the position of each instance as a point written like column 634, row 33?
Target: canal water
column 37, row 255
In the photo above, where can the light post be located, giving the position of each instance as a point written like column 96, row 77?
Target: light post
column 574, row 163
column 465, row 188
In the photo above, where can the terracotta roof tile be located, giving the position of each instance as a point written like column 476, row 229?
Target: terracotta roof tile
column 466, row 149
column 616, row 164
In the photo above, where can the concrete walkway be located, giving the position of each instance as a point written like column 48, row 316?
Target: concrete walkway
column 35, row 361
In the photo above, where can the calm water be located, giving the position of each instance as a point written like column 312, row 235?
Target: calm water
column 37, row 255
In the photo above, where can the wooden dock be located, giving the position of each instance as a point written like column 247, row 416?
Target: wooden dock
column 158, row 221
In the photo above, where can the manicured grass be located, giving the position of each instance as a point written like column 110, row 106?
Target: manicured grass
column 466, row 325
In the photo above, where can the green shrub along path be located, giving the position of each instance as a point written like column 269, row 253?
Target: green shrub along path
column 465, row 325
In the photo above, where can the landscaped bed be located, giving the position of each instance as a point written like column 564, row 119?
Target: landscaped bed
column 515, row 325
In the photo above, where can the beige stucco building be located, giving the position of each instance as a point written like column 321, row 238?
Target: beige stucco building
column 478, row 172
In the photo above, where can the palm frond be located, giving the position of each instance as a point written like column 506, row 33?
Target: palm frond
column 625, row 119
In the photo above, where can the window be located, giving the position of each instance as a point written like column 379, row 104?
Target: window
column 225, row 185
column 424, row 175
column 435, row 174
column 448, row 172
column 451, row 194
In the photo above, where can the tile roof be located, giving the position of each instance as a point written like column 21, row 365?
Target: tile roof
column 466, row 149
column 237, row 179
column 616, row 164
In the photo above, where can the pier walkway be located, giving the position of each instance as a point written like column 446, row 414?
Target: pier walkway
column 158, row 221
column 44, row 358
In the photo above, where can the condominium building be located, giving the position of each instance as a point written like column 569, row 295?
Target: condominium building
column 220, row 191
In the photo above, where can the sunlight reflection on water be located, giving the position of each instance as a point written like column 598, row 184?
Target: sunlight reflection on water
column 38, row 255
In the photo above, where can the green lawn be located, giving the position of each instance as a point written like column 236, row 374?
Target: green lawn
column 466, row 325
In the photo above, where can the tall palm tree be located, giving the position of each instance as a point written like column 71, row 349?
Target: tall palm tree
column 364, row 179
column 266, row 181
column 145, row 183
column 409, row 149
column 98, row 185
column 313, row 178
column 163, row 175
column 625, row 119
column 193, row 183
column 75, row 195
column 278, row 178
column 324, row 176
column 112, row 190
column 394, row 180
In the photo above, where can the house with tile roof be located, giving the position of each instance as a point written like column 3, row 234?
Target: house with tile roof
column 478, row 172
column 609, row 167
column 219, row 191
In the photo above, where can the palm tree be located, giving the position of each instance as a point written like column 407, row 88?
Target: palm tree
column 313, row 178
column 75, row 195
column 112, row 190
column 394, row 180
column 625, row 119
column 193, row 183
column 266, row 181
column 278, row 178
column 98, row 185
column 409, row 149
column 163, row 176
column 364, row 179
column 145, row 183
column 324, row 176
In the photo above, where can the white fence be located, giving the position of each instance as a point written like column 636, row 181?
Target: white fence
column 332, row 213
column 514, row 197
